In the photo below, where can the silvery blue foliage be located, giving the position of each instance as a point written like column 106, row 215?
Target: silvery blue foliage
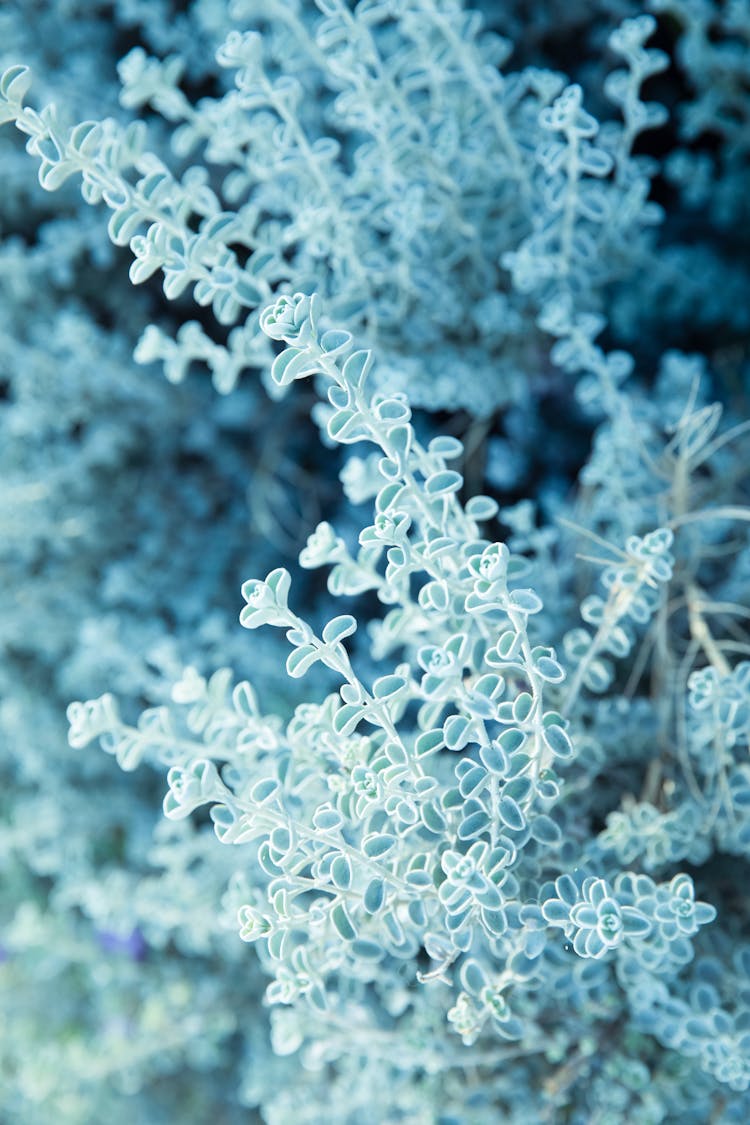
column 459, row 832
column 330, row 154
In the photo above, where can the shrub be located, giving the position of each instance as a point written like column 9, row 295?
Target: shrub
column 488, row 801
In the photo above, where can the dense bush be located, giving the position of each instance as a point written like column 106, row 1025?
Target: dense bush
column 488, row 799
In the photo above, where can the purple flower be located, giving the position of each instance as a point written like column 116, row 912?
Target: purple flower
column 132, row 945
